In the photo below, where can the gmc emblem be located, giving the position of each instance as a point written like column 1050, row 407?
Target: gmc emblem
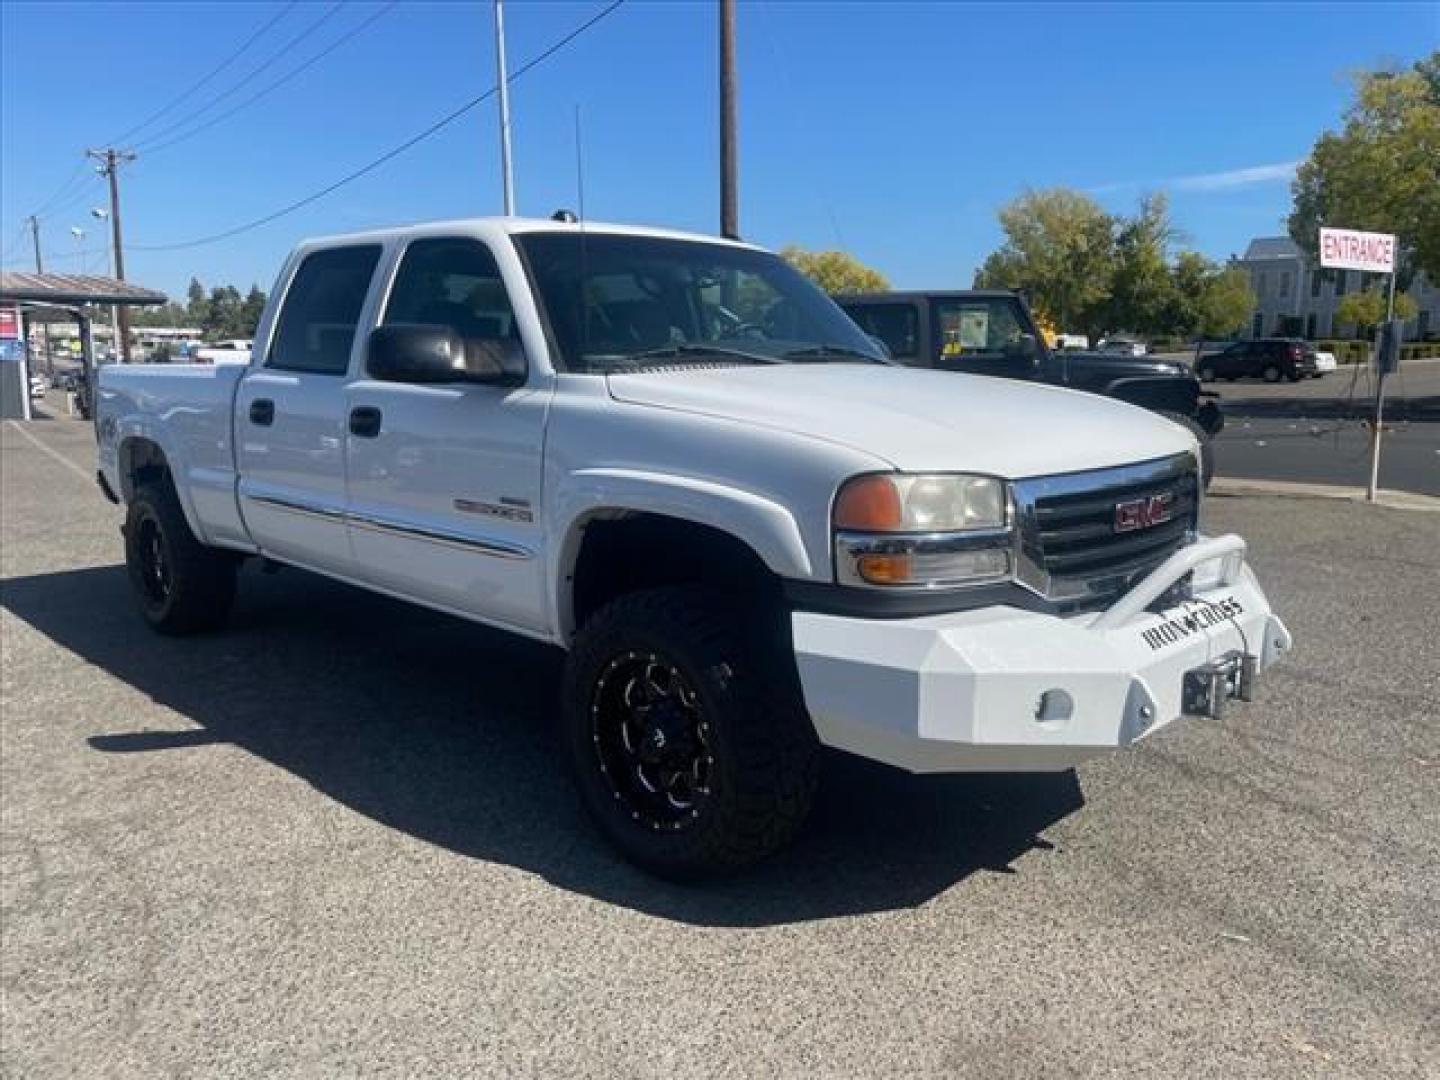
column 1144, row 513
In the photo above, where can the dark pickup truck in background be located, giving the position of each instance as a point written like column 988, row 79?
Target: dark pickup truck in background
column 991, row 332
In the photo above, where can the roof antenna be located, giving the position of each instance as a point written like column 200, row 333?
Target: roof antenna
column 565, row 215
column 579, row 166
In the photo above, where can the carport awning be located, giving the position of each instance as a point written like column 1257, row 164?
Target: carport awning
column 73, row 289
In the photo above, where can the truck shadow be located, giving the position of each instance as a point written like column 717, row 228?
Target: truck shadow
column 446, row 731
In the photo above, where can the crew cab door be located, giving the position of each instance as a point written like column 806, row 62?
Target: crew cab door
column 289, row 412
column 444, row 480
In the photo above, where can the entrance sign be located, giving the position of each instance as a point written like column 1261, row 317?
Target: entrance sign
column 1350, row 249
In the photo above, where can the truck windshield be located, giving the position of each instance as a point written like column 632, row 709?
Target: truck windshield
column 615, row 303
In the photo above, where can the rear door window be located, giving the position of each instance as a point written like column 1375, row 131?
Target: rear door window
column 322, row 308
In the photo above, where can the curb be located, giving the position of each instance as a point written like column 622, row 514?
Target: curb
column 1395, row 500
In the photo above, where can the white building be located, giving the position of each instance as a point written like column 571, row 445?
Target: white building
column 1296, row 298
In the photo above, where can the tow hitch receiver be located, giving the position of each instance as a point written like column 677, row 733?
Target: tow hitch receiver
column 1207, row 688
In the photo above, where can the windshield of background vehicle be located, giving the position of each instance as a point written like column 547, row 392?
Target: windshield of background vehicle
column 675, row 300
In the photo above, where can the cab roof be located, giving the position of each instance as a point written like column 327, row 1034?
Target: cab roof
column 495, row 227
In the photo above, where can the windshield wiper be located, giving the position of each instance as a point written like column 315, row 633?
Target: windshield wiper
column 671, row 352
column 820, row 352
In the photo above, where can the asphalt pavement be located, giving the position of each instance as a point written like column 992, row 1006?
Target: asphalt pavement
column 1318, row 431
column 335, row 840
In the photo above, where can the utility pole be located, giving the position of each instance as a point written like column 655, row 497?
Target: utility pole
column 110, row 161
column 729, row 211
column 503, row 82
column 35, row 235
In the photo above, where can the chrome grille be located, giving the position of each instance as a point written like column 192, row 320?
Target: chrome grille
column 1070, row 550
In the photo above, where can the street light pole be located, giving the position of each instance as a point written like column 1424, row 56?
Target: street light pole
column 729, row 202
column 102, row 215
column 110, row 161
column 503, row 83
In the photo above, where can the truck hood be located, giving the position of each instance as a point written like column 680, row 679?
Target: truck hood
column 919, row 420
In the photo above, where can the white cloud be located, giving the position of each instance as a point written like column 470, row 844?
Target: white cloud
column 1230, row 179
column 1233, row 178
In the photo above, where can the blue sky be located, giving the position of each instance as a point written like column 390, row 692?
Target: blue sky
column 894, row 130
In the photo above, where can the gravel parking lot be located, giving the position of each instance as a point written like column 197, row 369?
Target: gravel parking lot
column 335, row 840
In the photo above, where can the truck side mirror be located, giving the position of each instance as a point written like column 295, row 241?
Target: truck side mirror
column 424, row 353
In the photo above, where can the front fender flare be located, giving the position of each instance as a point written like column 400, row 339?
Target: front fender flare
column 764, row 525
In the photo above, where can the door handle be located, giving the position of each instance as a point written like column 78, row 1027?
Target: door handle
column 262, row 412
column 365, row 422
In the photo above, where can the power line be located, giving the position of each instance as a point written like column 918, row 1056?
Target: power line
column 65, row 188
column 184, row 135
column 206, row 78
column 82, row 194
column 68, row 194
column 274, row 58
column 444, row 121
column 15, row 245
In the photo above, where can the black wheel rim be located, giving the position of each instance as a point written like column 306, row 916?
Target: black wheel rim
column 155, row 574
column 652, row 741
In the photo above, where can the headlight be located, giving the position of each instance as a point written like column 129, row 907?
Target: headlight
column 923, row 531
column 934, row 502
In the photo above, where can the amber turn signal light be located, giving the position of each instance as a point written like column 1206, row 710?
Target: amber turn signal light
column 868, row 503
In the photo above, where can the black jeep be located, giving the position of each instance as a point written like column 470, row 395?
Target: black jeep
column 990, row 332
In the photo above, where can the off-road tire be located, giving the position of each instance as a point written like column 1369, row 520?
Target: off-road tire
column 765, row 753
column 201, row 580
column 1207, row 449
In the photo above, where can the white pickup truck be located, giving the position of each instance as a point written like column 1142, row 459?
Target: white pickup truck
column 674, row 458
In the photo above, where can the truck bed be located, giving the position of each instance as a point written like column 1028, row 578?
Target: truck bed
column 188, row 410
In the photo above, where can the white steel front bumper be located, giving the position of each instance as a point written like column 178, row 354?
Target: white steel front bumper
column 1001, row 689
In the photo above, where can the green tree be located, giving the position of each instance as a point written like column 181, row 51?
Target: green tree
column 195, row 303
column 1364, row 310
column 835, row 271
column 167, row 314
column 1204, row 299
column 1142, row 286
column 1059, row 247
column 1226, row 302
column 1189, row 276
column 251, row 310
column 224, row 315
column 1380, row 172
